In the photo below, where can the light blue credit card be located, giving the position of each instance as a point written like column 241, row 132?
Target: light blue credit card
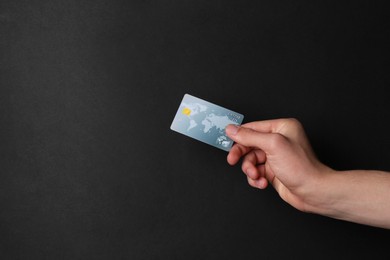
column 205, row 121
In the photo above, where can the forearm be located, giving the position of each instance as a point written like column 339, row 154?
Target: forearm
column 357, row 196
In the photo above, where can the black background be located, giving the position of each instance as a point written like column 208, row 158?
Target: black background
column 89, row 168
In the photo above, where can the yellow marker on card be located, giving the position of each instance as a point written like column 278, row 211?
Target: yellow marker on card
column 186, row 111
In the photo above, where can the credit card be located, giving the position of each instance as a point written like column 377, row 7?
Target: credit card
column 205, row 121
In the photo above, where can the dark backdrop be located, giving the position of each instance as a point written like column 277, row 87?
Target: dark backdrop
column 89, row 168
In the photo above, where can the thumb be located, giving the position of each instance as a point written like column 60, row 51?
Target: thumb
column 248, row 137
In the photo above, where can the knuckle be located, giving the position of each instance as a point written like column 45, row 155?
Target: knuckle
column 244, row 168
column 294, row 122
column 290, row 124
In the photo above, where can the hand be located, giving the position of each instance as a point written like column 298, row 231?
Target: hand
column 278, row 152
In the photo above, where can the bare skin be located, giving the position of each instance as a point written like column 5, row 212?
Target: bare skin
column 278, row 152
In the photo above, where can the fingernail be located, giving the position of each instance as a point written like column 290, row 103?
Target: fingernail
column 232, row 129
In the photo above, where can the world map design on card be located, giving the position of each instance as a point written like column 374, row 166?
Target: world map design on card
column 205, row 121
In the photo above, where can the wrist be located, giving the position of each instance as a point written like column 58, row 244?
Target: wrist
column 324, row 193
